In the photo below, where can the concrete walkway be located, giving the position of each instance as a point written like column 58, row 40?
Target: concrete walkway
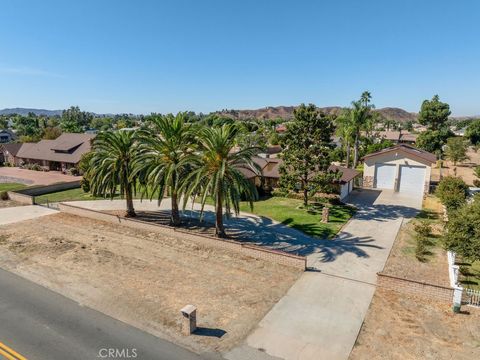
column 321, row 315
column 32, row 177
column 15, row 214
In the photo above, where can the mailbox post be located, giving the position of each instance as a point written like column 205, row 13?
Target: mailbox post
column 189, row 319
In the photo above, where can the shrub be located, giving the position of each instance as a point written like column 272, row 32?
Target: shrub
column 452, row 192
column 476, row 183
column 85, row 185
column 423, row 229
column 73, row 171
column 3, row 195
column 421, row 249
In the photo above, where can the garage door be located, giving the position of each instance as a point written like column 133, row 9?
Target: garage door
column 385, row 176
column 412, row 179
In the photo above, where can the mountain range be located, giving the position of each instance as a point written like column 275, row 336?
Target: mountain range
column 267, row 113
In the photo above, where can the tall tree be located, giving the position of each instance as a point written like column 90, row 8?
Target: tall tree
column 111, row 167
column 434, row 113
column 473, row 132
column 74, row 120
column 456, row 150
column 162, row 161
column 365, row 98
column 345, row 131
column 307, row 145
column 216, row 173
column 359, row 114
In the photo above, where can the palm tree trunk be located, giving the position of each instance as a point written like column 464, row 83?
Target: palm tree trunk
column 355, row 152
column 175, row 216
column 130, row 210
column 219, row 228
column 348, row 154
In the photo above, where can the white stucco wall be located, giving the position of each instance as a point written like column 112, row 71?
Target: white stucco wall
column 395, row 158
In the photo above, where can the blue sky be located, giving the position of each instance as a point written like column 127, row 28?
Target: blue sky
column 205, row 55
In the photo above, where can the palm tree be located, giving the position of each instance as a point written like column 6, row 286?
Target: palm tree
column 216, row 173
column 359, row 115
column 365, row 98
column 162, row 160
column 111, row 166
column 345, row 132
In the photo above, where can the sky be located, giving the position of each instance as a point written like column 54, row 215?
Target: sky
column 116, row 56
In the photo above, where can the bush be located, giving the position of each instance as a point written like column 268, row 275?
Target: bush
column 423, row 229
column 476, row 183
column 452, row 192
column 421, row 250
column 73, row 171
column 3, row 195
column 85, row 185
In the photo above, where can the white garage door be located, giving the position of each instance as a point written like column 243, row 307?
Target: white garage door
column 385, row 176
column 343, row 190
column 412, row 179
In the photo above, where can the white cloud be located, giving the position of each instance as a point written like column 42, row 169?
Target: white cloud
column 28, row 71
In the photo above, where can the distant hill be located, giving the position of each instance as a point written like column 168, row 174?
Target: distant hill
column 286, row 112
column 25, row 111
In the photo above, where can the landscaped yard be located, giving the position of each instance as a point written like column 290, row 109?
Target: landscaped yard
column 65, row 195
column 11, row 186
column 292, row 213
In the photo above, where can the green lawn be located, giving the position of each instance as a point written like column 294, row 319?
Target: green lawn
column 65, row 195
column 291, row 212
column 11, row 186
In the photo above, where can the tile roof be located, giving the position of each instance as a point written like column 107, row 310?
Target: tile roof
column 407, row 149
column 347, row 173
column 68, row 147
column 12, row 148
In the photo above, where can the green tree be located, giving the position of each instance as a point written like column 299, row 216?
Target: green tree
column 51, row 133
column 452, row 192
column 360, row 115
column 433, row 140
column 74, row 120
column 473, row 132
column 111, row 167
column 216, row 173
column 462, row 231
column 28, row 127
column 307, row 148
column 162, row 160
column 434, row 113
column 456, row 150
column 345, row 131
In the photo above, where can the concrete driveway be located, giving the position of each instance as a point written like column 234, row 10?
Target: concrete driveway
column 32, row 177
column 321, row 315
column 15, row 214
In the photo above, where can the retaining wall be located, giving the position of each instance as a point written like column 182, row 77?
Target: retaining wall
column 27, row 196
column 403, row 285
column 250, row 250
column 21, row 198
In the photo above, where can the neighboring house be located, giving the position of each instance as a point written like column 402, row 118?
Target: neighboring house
column 345, row 183
column 60, row 154
column 402, row 168
column 270, row 175
column 7, row 136
column 397, row 137
column 8, row 153
column 271, row 152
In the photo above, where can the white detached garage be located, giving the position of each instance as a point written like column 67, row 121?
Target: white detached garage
column 402, row 168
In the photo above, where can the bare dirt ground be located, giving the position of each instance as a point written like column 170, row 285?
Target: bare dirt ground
column 9, row 203
column 145, row 279
column 463, row 170
column 403, row 327
column 400, row 326
column 402, row 261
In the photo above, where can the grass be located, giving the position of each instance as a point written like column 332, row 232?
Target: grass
column 11, row 186
column 65, row 195
column 290, row 212
column 470, row 274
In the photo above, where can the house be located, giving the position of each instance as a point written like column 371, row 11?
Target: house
column 345, row 183
column 402, row 168
column 60, row 154
column 397, row 137
column 270, row 175
column 8, row 153
column 270, row 172
column 7, row 136
column 271, row 151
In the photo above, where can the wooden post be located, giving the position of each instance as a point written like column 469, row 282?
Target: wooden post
column 325, row 214
column 189, row 319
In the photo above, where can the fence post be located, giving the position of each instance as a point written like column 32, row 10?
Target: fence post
column 457, row 298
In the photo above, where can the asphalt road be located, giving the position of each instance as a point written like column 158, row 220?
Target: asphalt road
column 43, row 325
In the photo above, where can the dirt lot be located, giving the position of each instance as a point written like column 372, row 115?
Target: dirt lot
column 400, row 326
column 145, row 278
column 9, row 203
column 463, row 170
column 402, row 261
column 403, row 327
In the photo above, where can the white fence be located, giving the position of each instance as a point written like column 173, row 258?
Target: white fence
column 460, row 295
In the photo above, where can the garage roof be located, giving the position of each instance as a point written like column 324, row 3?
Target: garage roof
column 408, row 150
column 347, row 174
